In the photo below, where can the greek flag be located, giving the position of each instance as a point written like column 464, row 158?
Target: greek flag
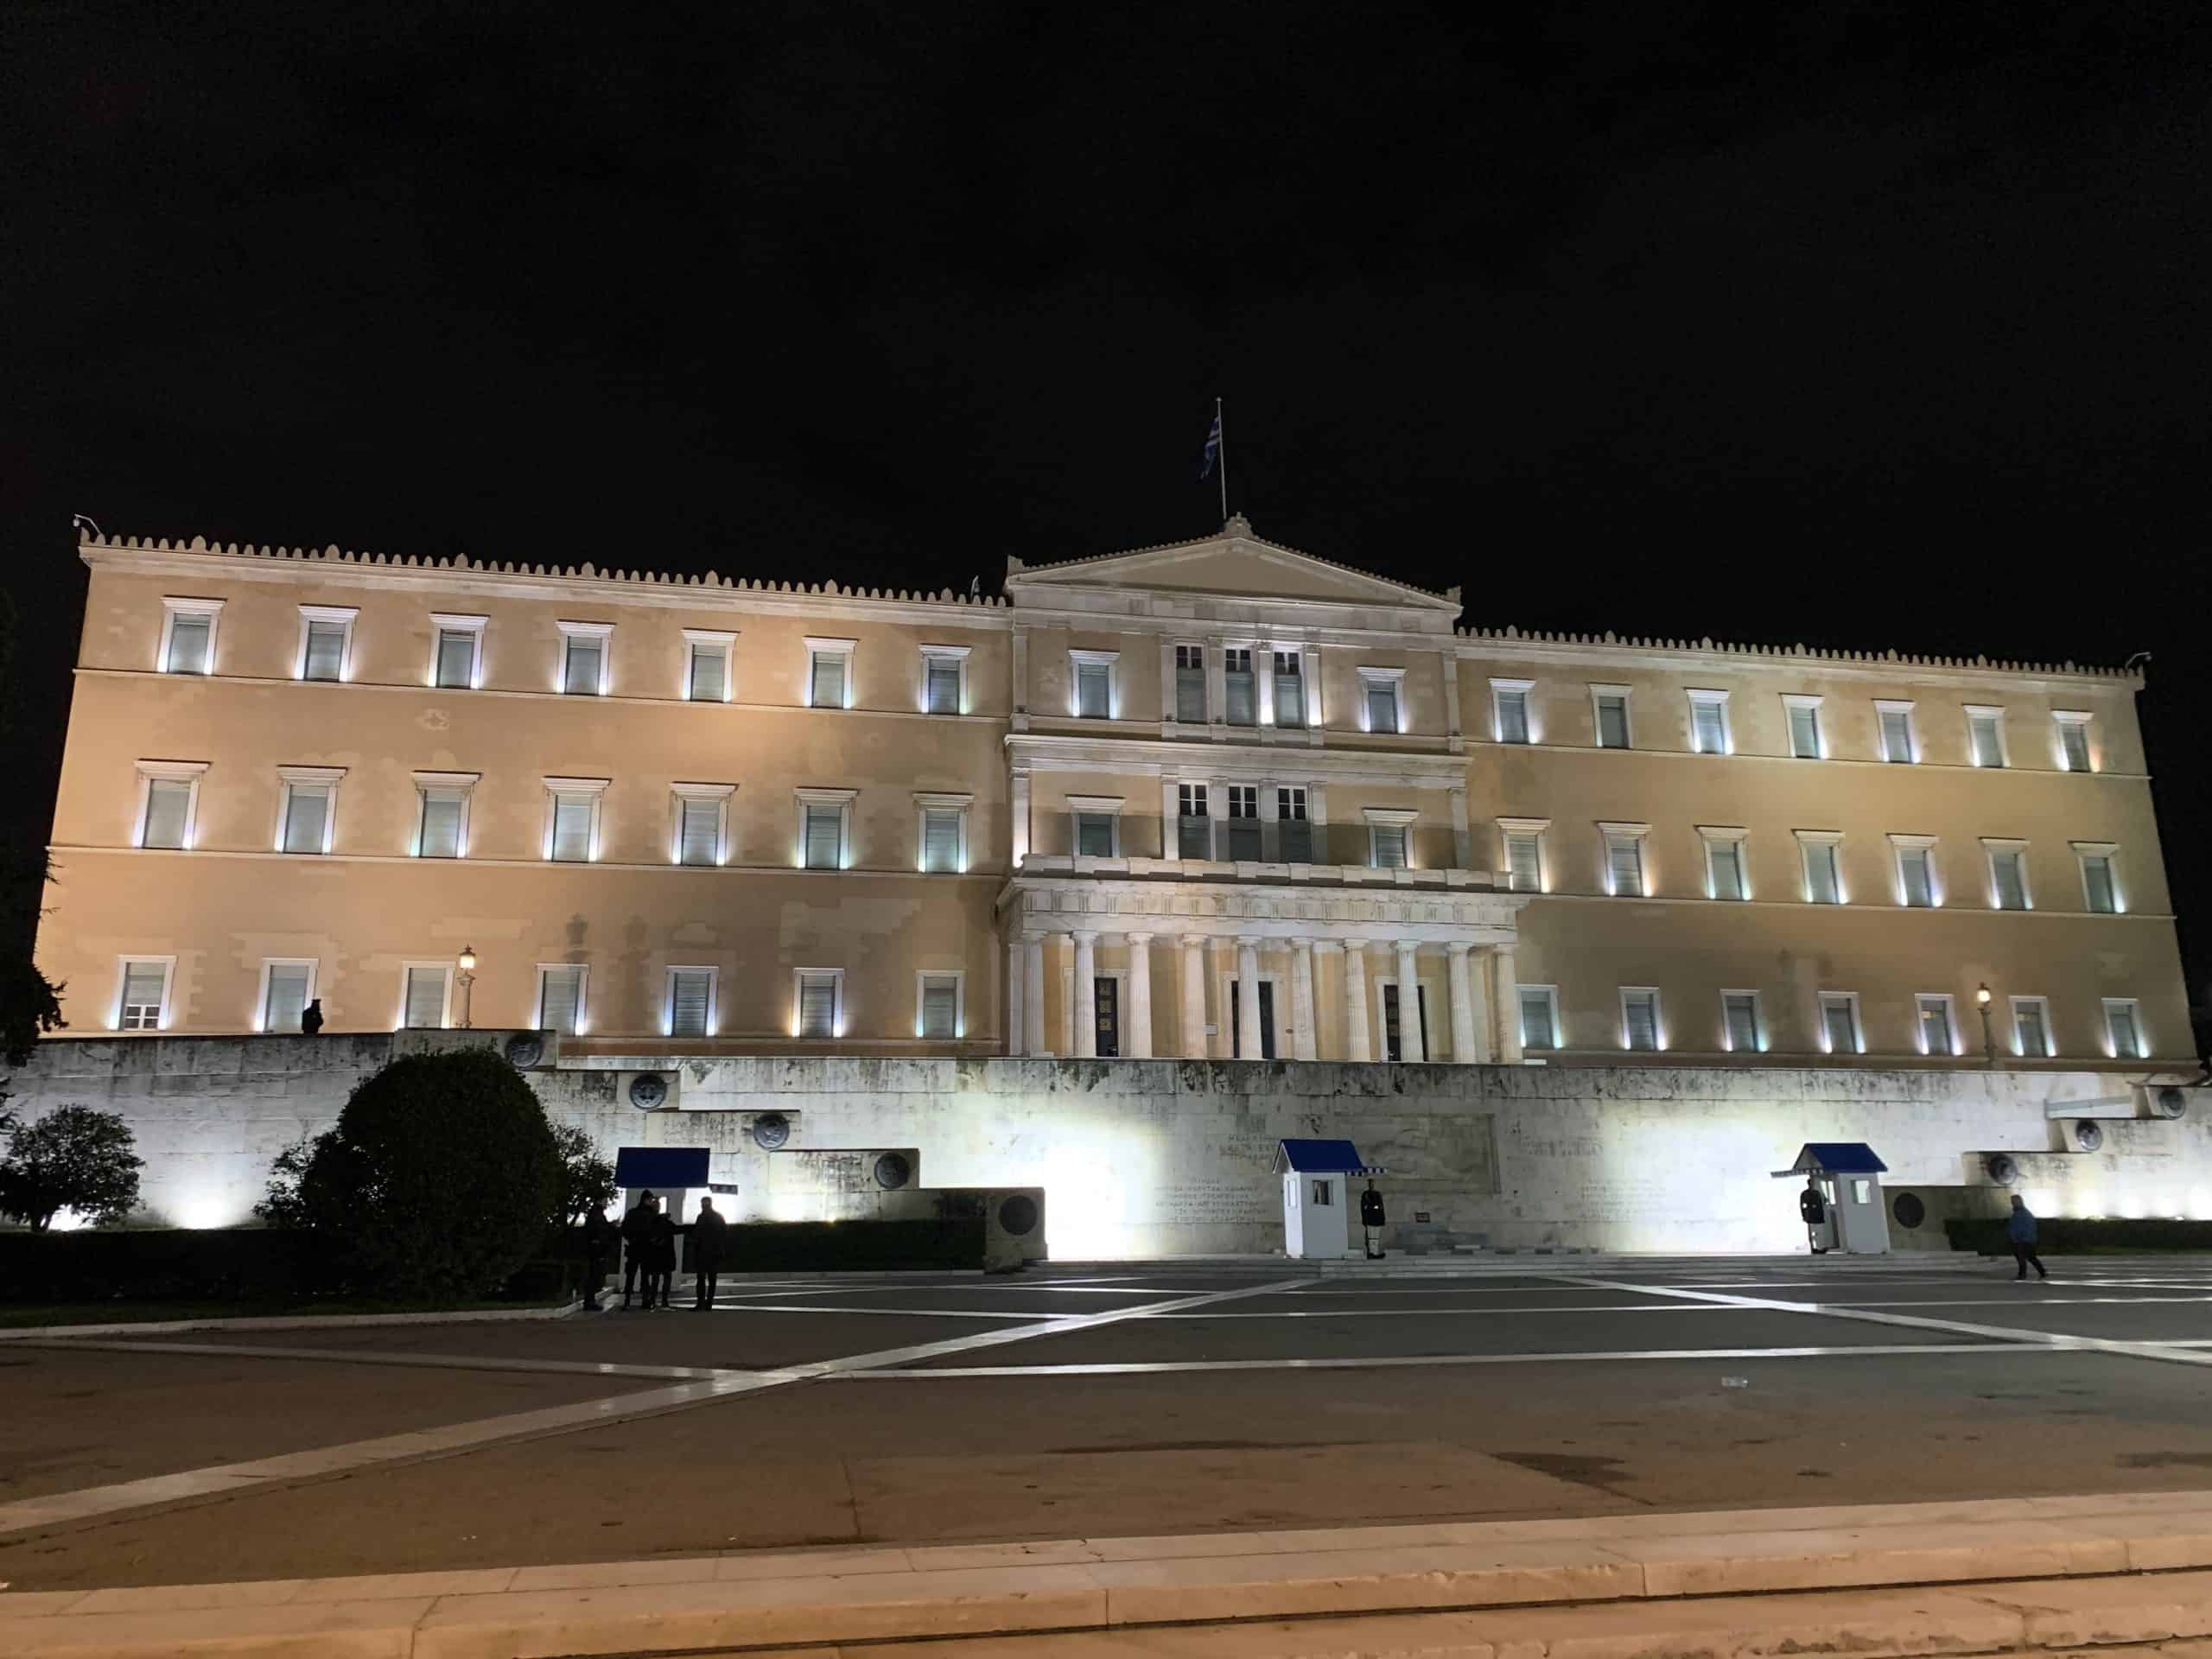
column 1212, row 450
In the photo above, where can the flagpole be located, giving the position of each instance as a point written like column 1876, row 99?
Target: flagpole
column 1222, row 454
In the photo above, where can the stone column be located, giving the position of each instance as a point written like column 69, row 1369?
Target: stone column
column 1015, row 1031
column 1193, row 987
column 1357, row 1046
column 1136, row 1037
column 1033, row 993
column 1302, row 999
column 1086, row 997
column 1484, row 1051
column 1463, row 1006
column 1247, row 999
column 1410, row 1048
column 1505, row 985
column 1018, row 816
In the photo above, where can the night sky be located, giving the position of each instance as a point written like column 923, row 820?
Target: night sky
column 1864, row 325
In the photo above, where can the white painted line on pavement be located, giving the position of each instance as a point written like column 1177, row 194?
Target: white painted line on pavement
column 385, row 1356
column 1116, row 1368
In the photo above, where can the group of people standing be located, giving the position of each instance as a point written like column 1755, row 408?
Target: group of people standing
column 648, row 1240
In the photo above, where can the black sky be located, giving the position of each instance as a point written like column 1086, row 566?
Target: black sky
column 1869, row 325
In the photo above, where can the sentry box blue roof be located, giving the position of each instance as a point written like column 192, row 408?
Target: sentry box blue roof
column 658, row 1167
column 1835, row 1158
column 1320, row 1158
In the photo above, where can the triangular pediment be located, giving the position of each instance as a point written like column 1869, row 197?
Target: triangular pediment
column 1234, row 564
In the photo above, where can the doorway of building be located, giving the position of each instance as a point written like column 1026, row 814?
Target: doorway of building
column 1393, row 1039
column 1107, row 995
column 1266, row 1020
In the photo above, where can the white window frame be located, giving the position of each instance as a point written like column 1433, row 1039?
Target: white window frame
column 1920, row 1001
column 2108, row 851
column 187, row 772
column 1700, row 696
column 261, row 991
column 2049, row 1036
column 932, row 656
column 720, row 794
column 1736, row 836
column 1899, row 845
column 1174, row 710
column 174, row 605
column 1809, row 839
column 698, row 639
column 1823, row 1000
column 1550, row 994
column 927, row 803
column 1897, row 706
column 1811, row 703
column 1499, row 689
column 445, row 622
column 444, row 969
column 1396, row 679
column 922, row 976
column 1388, row 818
column 1658, row 1019
column 1538, row 829
column 821, row 646
column 1759, row 1033
column 836, row 1002
column 711, row 1025
column 466, row 783
column 1994, row 713
column 1107, row 806
column 842, row 799
column 1108, row 660
column 603, row 632
column 583, row 993
column 2134, row 1006
column 1271, row 715
column 1316, row 841
column 593, row 788
column 1992, row 847
column 1205, row 789
column 319, row 777
column 1638, row 832
column 2062, row 718
column 343, row 615
column 122, row 967
column 1597, row 694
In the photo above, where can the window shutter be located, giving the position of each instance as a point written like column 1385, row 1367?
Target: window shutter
column 941, row 839
column 1090, row 686
column 1613, row 722
column 1642, row 1020
column 1382, row 705
column 1625, row 858
column 817, row 1005
column 1935, row 1027
column 690, row 991
column 572, row 829
column 1238, row 689
column 1536, row 1020
column 1523, row 857
column 829, row 691
column 2074, row 743
column 824, row 837
column 1842, row 1039
column 325, row 649
column 1390, row 846
column 940, row 1004
column 426, row 997
column 2096, row 871
column 287, row 996
column 1295, row 839
column 1988, row 750
column 1290, row 690
column 168, row 804
column 188, row 644
column 709, row 673
column 582, row 676
column 2011, row 890
column 1245, row 840
column 2126, row 1036
column 1820, row 872
column 1897, row 735
column 456, row 657
column 944, row 686
column 1512, row 716
column 560, row 999
column 307, row 806
column 441, row 823
column 1743, row 1015
column 1805, row 734
column 1919, row 891
column 1710, row 725
column 1094, row 835
column 1190, row 695
column 1726, row 858
column 143, row 983
column 702, row 830
column 2028, row 1025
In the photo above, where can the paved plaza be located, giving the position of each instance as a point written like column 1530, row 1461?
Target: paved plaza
column 1107, row 1400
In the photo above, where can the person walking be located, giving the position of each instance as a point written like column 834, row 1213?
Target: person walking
column 2022, row 1230
column 635, row 1225
column 1370, row 1219
column 600, row 1240
column 703, row 1245
column 1813, row 1211
column 660, row 1257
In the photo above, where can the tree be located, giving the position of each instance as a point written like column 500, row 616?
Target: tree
column 74, row 1157
column 281, row 1205
column 439, row 1180
column 586, row 1178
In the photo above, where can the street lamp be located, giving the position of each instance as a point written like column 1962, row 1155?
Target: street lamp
column 467, row 978
column 1988, row 1042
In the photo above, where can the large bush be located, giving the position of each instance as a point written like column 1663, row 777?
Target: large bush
column 439, row 1180
column 73, row 1159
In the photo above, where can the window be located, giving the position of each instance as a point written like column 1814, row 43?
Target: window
column 1899, row 743
column 1097, row 826
column 1094, row 683
column 1244, row 822
column 1935, row 1026
column 1191, row 684
column 1290, row 689
column 169, row 800
column 456, row 651
column 1840, row 1033
column 824, row 816
column 1609, row 706
column 442, row 813
column 706, row 669
column 1523, row 843
column 1709, row 723
column 2124, row 1029
column 1823, row 865
column 1725, row 875
column 286, row 988
column 830, row 673
column 561, row 997
column 1240, row 695
column 1985, row 735
column 944, row 679
column 818, row 993
column 2100, row 887
column 1739, row 1022
column 942, row 832
column 143, row 1004
column 692, row 1011
column 1624, row 871
column 423, row 995
column 2008, row 873
column 1639, row 1017
column 701, row 822
column 188, row 635
column 1388, row 834
column 2073, row 741
column 1916, row 884
column 1508, row 701
column 1193, row 835
column 309, row 805
column 572, row 819
column 583, row 657
column 1294, row 830
column 326, row 639
column 1804, row 716
column 938, row 1014
column 1539, row 1016
column 1379, row 691
column 2031, row 1028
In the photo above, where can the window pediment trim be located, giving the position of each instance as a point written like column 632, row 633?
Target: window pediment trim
column 311, row 774
column 703, row 792
column 180, row 771
column 1389, row 815
column 578, row 786
column 447, row 779
column 813, row 796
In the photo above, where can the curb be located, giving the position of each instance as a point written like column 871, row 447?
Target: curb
column 35, row 1333
column 2071, row 1572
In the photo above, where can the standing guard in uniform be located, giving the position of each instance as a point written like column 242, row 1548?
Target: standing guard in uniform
column 1370, row 1219
column 1812, row 1210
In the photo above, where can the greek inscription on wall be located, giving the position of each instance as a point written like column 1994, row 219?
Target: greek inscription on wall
column 1192, row 1203
column 1580, row 1145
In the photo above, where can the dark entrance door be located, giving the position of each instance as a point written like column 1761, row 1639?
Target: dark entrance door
column 1393, row 1043
column 1107, row 993
column 1267, row 1019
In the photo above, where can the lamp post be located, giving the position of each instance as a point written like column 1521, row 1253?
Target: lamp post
column 1988, row 1042
column 467, row 978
